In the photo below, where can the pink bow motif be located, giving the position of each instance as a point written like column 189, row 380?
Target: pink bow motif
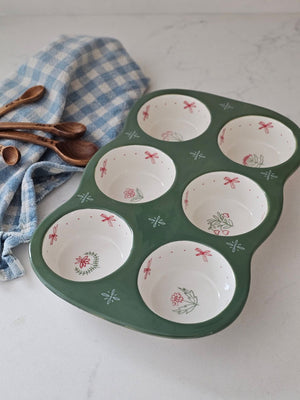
column 103, row 169
column 146, row 113
column 108, row 219
column 186, row 200
column 265, row 126
column 189, row 106
column 231, row 181
column 151, row 156
column 204, row 254
column 147, row 270
column 53, row 236
column 222, row 137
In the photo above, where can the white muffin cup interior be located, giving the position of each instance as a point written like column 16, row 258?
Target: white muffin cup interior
column 224, row 203
column 87, row 245
column 186, row 282
column 257, row 141
column 174, row 117
column 135, row 174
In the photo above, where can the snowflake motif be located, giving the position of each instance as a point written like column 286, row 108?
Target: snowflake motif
column 156, row 221
column 110, row 296
column 269, row 175
column 235, row 246
column 226, row 106
column 132, row 135
column 197, row 155
column 84, row 197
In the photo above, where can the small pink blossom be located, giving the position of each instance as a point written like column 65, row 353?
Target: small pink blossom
column 83, row 261
column 176, row 298
column 129, row 193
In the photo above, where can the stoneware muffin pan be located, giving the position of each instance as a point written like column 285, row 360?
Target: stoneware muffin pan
column 160, row 233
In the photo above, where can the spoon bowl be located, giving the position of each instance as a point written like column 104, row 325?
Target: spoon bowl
column 29, row 96
column 75, row 152
column 10, row 154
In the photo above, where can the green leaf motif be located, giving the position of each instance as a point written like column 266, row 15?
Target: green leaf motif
column 219, row 221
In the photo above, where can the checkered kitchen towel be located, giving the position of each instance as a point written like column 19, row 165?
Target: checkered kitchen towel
column 90, row 80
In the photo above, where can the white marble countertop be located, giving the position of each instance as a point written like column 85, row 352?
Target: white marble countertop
column 52, row 350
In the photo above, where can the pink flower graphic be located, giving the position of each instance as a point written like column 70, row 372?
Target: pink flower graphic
column 176, row 298
column 83, row 261
column 129, row 193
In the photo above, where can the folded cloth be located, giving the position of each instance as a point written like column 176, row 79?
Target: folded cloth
column 89, row 80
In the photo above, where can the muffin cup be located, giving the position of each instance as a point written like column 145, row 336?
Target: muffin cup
column 87, row 245
column 135, row 174
column 186, row 282
column 224, row 203
column 174, row 118
column 257, row 141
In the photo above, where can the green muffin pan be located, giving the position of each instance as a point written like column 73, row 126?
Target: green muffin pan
column 160, row 233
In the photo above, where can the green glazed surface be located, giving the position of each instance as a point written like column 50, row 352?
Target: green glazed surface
column 130, row 310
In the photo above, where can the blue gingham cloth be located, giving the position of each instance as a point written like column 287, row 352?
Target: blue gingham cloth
column 89, row 80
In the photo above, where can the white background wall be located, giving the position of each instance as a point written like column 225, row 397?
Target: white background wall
column 100, row 7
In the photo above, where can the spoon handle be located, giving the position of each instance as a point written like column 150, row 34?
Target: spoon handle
column 30, row 126
column 29, row 137
column 10, row 106
column 50, row 128
column 29, row 96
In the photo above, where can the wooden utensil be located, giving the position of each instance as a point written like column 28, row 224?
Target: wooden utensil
column 74, row 152
column 68, row 130
column 29, row 96
column 10, row 154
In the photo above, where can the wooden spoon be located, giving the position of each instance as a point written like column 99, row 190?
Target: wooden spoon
column 32, row 94
column 68, row 130
column 75, row 152
column 10, row 154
